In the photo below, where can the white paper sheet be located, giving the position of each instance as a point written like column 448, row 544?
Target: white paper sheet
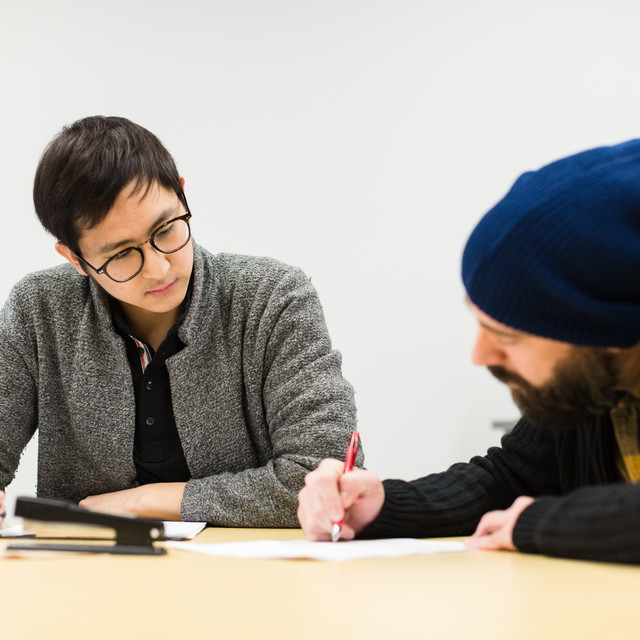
column 182, row 530
column 14, row 531
column 336, row 552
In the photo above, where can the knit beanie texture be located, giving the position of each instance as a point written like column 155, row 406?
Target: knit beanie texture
column 559, row 255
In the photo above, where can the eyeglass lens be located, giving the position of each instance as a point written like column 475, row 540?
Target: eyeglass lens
column 169, row 238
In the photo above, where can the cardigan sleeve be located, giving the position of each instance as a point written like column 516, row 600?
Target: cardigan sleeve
column 299, row 408
column 451, row 503
column 18, row 393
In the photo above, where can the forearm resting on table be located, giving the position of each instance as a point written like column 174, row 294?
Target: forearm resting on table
column 160, row 500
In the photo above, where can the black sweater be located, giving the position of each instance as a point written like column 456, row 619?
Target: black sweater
column 582, row 510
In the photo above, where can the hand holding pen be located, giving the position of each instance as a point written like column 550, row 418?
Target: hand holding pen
column 334, row 495
column 349, row 460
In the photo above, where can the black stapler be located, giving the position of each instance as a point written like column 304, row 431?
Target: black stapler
column 133, row 535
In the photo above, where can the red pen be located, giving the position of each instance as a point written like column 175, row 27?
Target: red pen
column 349, row 460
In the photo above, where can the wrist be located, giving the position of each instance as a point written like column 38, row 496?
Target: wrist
column 525, row 537
column 161, row 500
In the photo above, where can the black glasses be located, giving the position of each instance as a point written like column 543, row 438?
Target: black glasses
column 169, row 237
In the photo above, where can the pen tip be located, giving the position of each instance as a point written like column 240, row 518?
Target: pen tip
column 335, row 532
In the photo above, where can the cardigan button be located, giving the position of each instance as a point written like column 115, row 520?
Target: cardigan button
column 150, row 421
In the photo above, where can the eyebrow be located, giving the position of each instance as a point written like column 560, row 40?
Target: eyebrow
column 488, row 327
column 499, row 332
column 115, row 246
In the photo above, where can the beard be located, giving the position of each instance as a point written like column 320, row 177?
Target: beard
column 582, row 387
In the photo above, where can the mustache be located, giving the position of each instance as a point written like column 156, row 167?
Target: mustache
column 504, row 375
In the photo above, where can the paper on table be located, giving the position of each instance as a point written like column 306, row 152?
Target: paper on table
column 172, row 530
column 182, row 530
column 14, row 531
column 333, row 551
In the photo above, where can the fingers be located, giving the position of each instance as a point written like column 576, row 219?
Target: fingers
column 489, row 523
column 330, row 496
column 495, row 529
column 87, row 502
column 488, row 533
column 491, row 533
column 319, row 501
column 361, row 485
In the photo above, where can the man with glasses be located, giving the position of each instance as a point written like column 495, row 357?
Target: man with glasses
column 163, row 381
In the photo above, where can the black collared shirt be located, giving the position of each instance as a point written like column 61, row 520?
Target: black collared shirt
column 157, row 451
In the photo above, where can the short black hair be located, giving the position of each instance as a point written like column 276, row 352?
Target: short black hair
column 86, row 166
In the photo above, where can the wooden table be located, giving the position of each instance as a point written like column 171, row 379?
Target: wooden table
column 472, row 595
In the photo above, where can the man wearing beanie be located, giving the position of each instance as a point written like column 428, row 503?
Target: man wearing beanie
column 551, row 276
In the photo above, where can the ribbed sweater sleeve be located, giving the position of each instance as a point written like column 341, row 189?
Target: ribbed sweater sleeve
column 580, row 510
column 451, row 503
column 591, row 523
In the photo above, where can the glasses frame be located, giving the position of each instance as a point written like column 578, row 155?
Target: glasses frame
column 151, row 240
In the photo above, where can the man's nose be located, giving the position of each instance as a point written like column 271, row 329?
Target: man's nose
column 156, row 264
column 487, row 350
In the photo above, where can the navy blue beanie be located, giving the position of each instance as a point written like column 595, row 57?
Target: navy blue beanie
column 559, row 255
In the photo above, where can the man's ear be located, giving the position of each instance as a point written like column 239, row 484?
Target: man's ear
column 67, row 254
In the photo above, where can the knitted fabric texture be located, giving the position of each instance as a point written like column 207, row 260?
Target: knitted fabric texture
column 559, row 255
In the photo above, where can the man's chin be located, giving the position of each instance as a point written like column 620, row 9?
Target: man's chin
column 542, row 418
column 579, row 393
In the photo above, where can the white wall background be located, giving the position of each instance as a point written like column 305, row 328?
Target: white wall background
column 358, row 139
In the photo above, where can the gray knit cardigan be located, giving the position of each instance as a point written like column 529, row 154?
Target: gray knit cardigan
column 257, row 390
